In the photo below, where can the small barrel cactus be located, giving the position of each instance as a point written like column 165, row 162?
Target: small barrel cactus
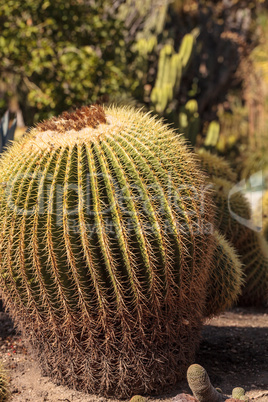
column 201, row 386
column 138, row 398
column 105, row 245
column 238, row 392
column 225, row 278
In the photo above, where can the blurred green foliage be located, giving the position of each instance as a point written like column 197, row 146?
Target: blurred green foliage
column 57, row 54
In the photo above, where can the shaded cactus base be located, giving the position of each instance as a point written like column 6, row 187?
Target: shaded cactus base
column 140, row 360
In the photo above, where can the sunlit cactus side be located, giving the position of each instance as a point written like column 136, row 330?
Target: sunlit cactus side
column 4, row 385
column 171, row 67
column 238, row 392
column 212, row 136
column 103, row 250
column 225, row 278
column 201, row 386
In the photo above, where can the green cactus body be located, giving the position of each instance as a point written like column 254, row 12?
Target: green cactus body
column 100, row 260
column 186, row 50
column 238, row 392
column 189, row 120
column 138, row 398
column 200, row 385
column 216, row 166
column 171, row 66
column 212, row 135
column 225, row 278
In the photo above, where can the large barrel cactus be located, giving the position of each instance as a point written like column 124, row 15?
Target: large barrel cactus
column 105, row 245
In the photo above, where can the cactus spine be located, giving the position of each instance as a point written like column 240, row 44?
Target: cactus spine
column 98, row 251
column 171, row 67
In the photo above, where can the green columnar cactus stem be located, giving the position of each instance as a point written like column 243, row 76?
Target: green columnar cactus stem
column 212, row 135
column 4, row 385
column 225, row 278
column 100, row 260
column 171, row 66
column 189, row 121
column 200, row 385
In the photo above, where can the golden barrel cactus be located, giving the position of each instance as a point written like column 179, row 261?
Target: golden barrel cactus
column 105, row 245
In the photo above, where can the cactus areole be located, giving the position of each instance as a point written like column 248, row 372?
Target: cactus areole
column 104, row 249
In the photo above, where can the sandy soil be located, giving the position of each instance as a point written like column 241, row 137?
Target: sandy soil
column 234, row 352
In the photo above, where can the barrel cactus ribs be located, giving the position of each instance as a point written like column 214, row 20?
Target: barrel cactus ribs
column 105, row 245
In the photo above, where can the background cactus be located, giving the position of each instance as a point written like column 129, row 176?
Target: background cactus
column 249, row 245
column 171, row 67
column 104, row 252
column 225, row 278
column 212, row 136
column 4, row 385
column 189, row 120
column 201, row 386
column 216, row 166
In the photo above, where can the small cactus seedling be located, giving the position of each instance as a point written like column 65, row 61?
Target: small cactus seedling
column 138, row 398
column 103, row 256
column 238, row 392
column 201, row 386
column 4, row 385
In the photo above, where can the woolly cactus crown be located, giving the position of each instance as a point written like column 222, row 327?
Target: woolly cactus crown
column 104, row 248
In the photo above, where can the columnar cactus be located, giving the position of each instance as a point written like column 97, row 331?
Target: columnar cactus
column 189, row 120
column 171, row 67
column 105, row 245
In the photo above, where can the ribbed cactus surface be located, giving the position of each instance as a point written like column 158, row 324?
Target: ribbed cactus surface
column 233, row 216
column 225, row 277
column 105, row 248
